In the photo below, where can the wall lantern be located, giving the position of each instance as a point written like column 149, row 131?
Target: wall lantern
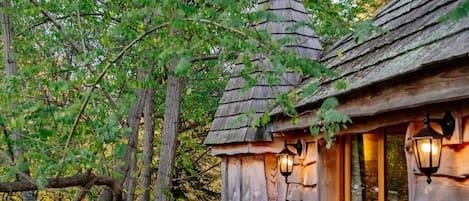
column 285, row 158
column 427, row 144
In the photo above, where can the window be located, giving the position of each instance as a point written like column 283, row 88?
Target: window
column 375, row 161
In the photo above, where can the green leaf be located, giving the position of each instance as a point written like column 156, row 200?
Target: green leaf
column 183, row 65
column 329, row 103
column 457, row 14
column 340, row 84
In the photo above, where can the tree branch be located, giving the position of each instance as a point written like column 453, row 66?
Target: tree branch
column 75, row 47
column 72, row 181
column 84, row 190
column 95, row 84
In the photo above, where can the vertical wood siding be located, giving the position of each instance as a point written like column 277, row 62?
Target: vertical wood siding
column 451, row 182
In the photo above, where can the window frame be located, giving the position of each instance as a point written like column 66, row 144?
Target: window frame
column 346, row 161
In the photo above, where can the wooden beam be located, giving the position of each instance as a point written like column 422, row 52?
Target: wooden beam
column 381, row 166
column 347, row 168
column 445, row 85
column 261, row 147
column 340, row 168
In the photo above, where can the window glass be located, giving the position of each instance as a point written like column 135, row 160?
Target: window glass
column 396, row 168
column 364, row 167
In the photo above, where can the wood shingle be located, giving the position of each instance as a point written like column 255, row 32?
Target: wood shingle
column 231, row 124
column 415, row 39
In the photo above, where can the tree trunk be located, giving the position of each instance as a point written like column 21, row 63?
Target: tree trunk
column 133, row 120
column 10, row 70
column 169, row 138
column 131, row 179
column 148, row 136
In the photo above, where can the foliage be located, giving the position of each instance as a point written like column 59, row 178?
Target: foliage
column 78, row 78
column 457, row 14
column 333, row 19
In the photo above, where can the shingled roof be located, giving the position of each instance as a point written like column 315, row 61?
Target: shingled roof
column 415, row 39
column 228, row 125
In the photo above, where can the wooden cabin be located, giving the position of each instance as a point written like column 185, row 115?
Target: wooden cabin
column 421, row 65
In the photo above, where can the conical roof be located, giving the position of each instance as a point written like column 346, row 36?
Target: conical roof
column 228, row 125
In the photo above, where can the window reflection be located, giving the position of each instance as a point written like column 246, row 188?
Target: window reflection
column 364, row 167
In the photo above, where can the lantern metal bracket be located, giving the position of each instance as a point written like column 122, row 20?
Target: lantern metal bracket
column 447, row 123
column 298, row 146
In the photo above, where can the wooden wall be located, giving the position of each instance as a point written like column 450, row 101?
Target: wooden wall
column 243, row 178
column 451, row 182
column 302, row 184
column 255, row 177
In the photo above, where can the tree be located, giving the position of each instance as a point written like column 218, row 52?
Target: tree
column 16, row 149
column 91, row 70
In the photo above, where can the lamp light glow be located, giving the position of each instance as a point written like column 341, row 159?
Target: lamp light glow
column 427, row 144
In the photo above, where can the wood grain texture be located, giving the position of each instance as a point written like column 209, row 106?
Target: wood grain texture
column 404, row 50
column 327, row 164
column 295, row 192
column 224, row 179
column 444, row 85
column 245, row 179
column 450, row 180
column 296, row 176
column 234, row 103
column 234, row 178
column 310, row 194
column 442, row 189
column 381, row 166
column 281, row 187
column 260, row 147
column 310, row 177
column 347, row 168
column 271, row 176
column 311, row 153
column 412, row 129
column 253, row 183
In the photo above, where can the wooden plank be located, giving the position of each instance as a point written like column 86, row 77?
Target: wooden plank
column 296, row 176
column 271, row 176
column 282, row 187
column 256, row 92
column 260, row 147
column 454, row 161
column 234, row 178
column 424, row 89
column 257, row 179
column 311, row 153
column 381, row 166
column 238, row 108
column 441, row 189
column 374, row 70
column 246, row 162
column 224, row 179
column 310, row 194
column 310, row 177
column 412, row 129
column 347, row 168
column 327, row 168
column 340, row 167
column 295, row 192
column 413, row 23
column 253, row 184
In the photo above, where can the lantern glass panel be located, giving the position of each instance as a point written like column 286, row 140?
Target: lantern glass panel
column 285, row 164
column 428, row 152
